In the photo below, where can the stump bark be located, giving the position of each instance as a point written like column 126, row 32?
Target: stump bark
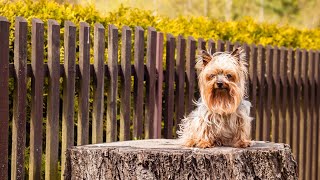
column 166, row 159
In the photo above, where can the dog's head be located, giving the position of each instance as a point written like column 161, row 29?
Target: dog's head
column 222, row 78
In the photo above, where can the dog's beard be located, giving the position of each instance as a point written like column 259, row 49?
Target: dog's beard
column 222, row 101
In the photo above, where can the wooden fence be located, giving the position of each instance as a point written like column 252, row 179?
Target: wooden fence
column 151, row 98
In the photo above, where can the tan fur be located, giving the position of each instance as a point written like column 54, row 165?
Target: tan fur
column 222, row 114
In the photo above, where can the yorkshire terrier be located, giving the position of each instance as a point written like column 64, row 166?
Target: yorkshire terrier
column 221, row 117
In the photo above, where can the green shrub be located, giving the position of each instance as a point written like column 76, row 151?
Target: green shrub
column 245, row 30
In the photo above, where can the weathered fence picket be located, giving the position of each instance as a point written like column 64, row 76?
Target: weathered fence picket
column 283, row 87
column 317, row 112
column 253, row 94
column 309, row 123
column 84, row 78
column 112, row 88
column 125, row 84
column 52, row 129
column 211, row 46
column 138, row 83
column 297, row 85
column 304, row 120
column 98, row 84
column 276, row 98
column 269, row 94
column 179, row 80
column 312, row 114
column 159, row 88
column 284, row 90
column 4, row 96
column 202, row 44
column 291, row 121
column 169, row 87
column 190, row 74
column 37, row 79
column 150, row 83
column 229, row 46
column 68, row 90
column 261, row 92
column 19, row 99
column 220, row 46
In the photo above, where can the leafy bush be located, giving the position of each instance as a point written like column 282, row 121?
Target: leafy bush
column 245, row 30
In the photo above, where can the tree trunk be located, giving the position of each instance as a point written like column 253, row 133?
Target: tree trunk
column 165, row 159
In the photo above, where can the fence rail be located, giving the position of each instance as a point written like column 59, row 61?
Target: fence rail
column 144, row 89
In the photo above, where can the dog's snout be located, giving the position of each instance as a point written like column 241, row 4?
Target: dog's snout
column 219, row 84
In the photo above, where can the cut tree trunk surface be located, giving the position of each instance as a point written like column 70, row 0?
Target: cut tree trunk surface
column 166, row 159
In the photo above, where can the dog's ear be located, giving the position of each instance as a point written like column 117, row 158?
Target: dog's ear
column 239, row 54
column 204, row 57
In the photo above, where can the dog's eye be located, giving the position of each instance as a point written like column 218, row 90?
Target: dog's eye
column 212, row 76
column 229, row 76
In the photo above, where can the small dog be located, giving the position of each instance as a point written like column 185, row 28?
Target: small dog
column 222, row 114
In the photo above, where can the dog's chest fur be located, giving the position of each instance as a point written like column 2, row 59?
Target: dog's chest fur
column 223, row 128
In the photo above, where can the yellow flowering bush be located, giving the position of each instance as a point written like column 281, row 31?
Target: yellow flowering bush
column 244, row 31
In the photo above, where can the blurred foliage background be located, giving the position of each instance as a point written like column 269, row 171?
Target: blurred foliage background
column 288, row 23
column 298, row 13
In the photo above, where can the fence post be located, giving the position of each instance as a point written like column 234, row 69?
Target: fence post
column 159, row 82
column 276, row 101
column 244, row 45
column 202, row 44
column 283, row 109
column 211, row 46
column 19, row 101
column 312, row 109
column 150, row 82
column 36, row 99
column 169, row 87
column 267, row 118
column 229, row 46
column 220, row 46
column 138, row 82
column 68, row 90
column 84, row 78
column 52, row 129
column 112, row 85
column 190, row 74
column 309, row 122
column 4, row 96
column 317, row 111
column 304, row 119
column 297, row 102
column 98, row 84
column 125, row 84
column 261, row 80
column 253, row 93
column 291, row 121
column 180, row 77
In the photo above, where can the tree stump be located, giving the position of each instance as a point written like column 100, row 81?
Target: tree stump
column 166, row 159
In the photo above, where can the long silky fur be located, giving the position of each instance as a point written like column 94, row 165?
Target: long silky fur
column 202, row 124
column 224, row 119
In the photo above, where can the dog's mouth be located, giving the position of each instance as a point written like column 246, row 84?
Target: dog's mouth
column 221, row 89
column 220, row 92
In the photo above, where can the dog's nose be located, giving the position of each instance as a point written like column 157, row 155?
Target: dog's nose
column 219, row 84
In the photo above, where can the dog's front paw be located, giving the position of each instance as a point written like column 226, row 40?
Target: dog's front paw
column 242, row 144
column 204, row 144
column 190, row 143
